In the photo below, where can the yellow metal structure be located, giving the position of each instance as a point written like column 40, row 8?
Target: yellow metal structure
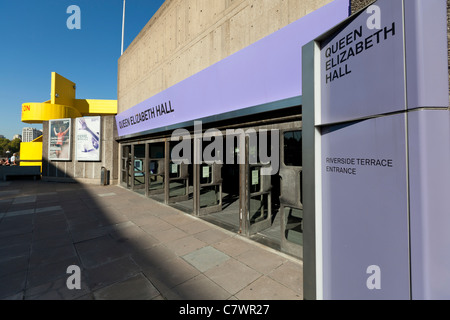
column 31, row 153
column 62, row 104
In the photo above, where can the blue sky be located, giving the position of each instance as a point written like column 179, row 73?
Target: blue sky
column 35, row 41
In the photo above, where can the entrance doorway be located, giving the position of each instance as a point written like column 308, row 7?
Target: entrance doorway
column 237, row 193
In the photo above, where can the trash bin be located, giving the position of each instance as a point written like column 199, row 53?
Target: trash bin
column 104, row 176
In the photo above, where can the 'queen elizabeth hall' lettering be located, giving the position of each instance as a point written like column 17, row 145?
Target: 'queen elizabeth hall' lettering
column 151, row 113
column 353, row 44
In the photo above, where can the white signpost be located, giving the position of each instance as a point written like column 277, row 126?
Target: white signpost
column 377, row 154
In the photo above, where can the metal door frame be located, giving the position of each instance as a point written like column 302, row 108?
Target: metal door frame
column 286, row 245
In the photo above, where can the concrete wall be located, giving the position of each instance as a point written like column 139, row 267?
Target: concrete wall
column 186, row 36
column 84, row 172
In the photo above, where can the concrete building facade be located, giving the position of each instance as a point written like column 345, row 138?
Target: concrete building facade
column 185, row 37
column 230, row 65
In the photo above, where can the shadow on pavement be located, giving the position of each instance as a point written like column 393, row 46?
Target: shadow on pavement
column 127, row 247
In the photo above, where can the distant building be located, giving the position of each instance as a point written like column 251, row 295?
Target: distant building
column 2, row 136
column 29, row 134
column 17, row 136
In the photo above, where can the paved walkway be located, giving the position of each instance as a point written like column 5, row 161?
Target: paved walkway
column 127, row 247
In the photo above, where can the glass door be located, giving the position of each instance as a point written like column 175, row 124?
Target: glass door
column 177, row 177
column 156, row 168
column 256, row 191
column 207, row 182
column 291, row 206
column 139, row 168
column 125, row 167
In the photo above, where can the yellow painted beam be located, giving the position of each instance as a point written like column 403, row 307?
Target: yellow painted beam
column 92, row 107
column 39, row 112
column 38, row 139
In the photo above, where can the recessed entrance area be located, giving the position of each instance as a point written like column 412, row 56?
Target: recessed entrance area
column 244, row 176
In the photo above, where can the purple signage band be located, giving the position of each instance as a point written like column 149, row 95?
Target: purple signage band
column 268, row 70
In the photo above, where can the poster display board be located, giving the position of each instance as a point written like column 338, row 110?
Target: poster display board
column 88, row 138
column 60, row 139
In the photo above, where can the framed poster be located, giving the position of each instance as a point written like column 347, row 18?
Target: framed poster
column 59, row 139
column 87, row 138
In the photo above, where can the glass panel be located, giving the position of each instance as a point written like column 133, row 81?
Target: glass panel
column 125, row 156
column 259, row 208
column 293, row 148
column 139, row 151
column 153, row 167
column 138, row 162
column 209, row 196
column 294, row 226
column 255, row 179
column 174, row 170
column 156, row 182
column 126, row 150
column 205, row 174
column 177, row 188
column 156, row 150
column 139, row 176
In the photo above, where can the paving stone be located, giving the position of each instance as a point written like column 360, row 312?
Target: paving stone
column 169, row 235
column 19, row 213
column 170, row 273
column 201, row 288
column 17, row 296
column 111, row 194
column 52, row 255
column 112, row 272
column 57, row 290
column 185, row 245
column 14, row 250
column 289, row 274
column 154, row 224
column 42, row 274
column 261, row 260
column 19, row 239
column 134, row 288
column 26, row 199
column 266, row 288
column 206, row 258
column 233, row 246
column 232, row 275
column 99, row 251
column 48, row 209
column 12, row 283
column 211, row 236
column 153, row 257
column 13, row 264
column 194, row 227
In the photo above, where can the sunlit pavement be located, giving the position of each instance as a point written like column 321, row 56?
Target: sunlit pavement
column 127, row 247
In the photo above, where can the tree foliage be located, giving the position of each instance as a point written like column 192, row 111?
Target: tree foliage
column 9, row 145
